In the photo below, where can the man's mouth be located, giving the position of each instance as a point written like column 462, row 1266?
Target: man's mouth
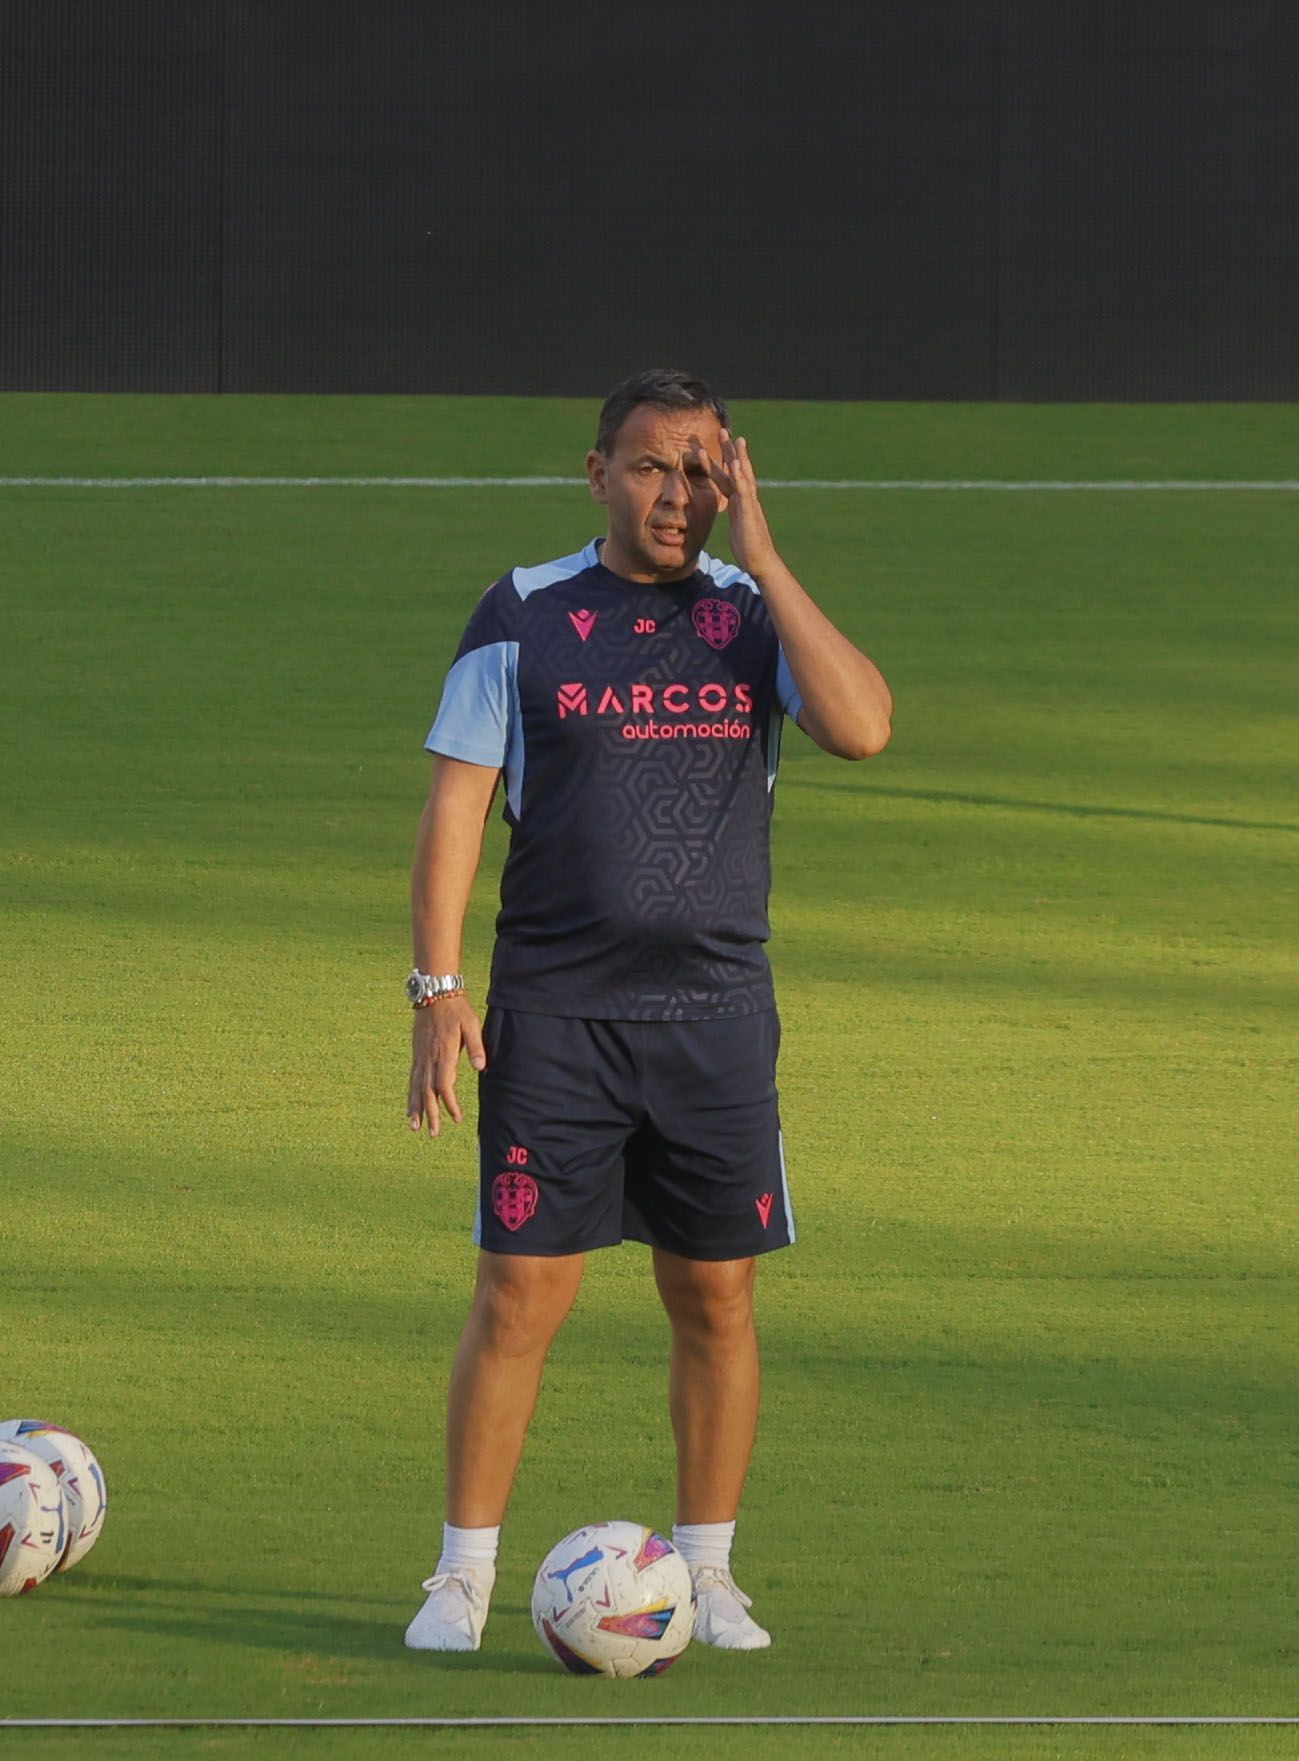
column 669, row 534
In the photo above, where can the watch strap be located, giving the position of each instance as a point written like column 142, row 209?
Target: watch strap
column 424, row 988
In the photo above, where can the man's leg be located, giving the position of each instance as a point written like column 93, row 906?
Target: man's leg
column 519, row 1303
column 713, row 1380
column 713, row 1397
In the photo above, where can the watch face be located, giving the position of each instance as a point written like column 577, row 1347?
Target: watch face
column 414, row 987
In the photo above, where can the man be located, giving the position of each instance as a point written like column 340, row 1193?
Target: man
column 631, row 697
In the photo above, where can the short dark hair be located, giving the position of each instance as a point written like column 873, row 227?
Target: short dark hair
column 662, row 388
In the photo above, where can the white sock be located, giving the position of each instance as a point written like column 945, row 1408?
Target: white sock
column 704, row 1543
column 470, row 1549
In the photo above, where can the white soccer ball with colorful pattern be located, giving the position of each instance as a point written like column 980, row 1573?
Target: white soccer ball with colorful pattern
column 85, row 1495
column 614, row 1599
column 33, row 1527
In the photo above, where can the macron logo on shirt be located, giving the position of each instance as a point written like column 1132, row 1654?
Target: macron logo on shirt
column 583, row 622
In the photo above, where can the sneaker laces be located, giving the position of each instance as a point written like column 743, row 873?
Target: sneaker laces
column 465, row 1581
column 718, row 1577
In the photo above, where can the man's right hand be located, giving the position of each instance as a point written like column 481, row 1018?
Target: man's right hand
column 440, row 1032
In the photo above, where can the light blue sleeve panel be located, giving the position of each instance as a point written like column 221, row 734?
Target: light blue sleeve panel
column 725, row 574
column 529, row 581
column 477, row 717
column 788, row 694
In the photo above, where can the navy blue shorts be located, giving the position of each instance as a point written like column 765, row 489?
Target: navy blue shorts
column 595, row 1132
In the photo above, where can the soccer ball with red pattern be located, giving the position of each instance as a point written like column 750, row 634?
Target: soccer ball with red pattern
column 614, row 1599
column 33, row 1527
column 85, row 1495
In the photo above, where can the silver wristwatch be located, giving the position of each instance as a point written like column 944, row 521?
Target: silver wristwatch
column 425, row 987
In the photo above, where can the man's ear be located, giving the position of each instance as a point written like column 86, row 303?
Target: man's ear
column 597, row 475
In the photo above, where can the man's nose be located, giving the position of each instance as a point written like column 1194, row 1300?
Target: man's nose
column 674, row 488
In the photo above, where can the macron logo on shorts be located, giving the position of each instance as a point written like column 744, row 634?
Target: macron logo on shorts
column 764, row 1203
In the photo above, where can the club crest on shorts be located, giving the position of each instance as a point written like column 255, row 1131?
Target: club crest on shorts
column 514, row 1198
column 717, row 621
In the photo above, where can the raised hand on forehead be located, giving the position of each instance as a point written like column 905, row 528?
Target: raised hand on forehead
column 736, row 479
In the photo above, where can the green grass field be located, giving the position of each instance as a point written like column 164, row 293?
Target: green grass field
column 1030, row 1440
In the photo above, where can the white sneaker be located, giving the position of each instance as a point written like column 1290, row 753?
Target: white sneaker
column 720, row 1618
column 454, row 1616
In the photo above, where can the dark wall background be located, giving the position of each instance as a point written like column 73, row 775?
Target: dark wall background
column 906, row 199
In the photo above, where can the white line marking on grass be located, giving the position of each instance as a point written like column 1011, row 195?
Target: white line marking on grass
column 567, row 1723
column 998, row 483
column 994, row 484
column 291, row 482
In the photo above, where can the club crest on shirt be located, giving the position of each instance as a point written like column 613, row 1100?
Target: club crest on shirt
column 514, row 1198
column 717, row 621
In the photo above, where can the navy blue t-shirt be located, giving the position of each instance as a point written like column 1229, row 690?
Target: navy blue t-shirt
column 638, row 728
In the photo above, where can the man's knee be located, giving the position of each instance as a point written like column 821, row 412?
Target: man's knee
column 708, row 1299
column 520, row 1300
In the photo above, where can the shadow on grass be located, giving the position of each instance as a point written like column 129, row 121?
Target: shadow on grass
column 113, row 1585
column 81, row 1589
column 321, row 1645
column 319, row 1641
column 1075, row 810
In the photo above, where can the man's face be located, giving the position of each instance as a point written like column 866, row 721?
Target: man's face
column 659, row 495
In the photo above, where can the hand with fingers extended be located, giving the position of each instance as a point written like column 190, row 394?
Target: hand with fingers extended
column 735, row 478
column 441, row 1032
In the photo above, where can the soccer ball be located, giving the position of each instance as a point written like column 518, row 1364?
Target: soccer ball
column 614, row 1599
column 85, row 1495
column 33, row 1528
